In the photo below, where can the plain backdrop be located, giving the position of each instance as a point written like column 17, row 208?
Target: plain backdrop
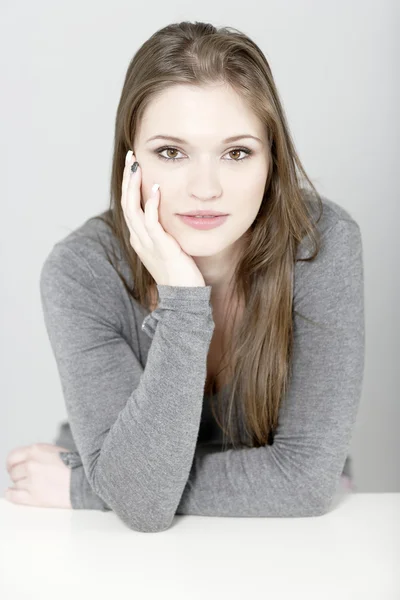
column 336, row 65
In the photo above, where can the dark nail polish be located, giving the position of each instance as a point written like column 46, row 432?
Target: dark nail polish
column 134, row 166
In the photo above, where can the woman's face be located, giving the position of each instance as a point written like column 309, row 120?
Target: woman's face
column 208, row 172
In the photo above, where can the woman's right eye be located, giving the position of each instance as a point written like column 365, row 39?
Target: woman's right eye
column 165, row 157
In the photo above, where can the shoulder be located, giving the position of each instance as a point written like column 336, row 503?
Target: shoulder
column 339, row 233
column 91, row 248
column 83, row 270
column 330, row 287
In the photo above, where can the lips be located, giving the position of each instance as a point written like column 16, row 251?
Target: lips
column 202, row 222
column 203, row 213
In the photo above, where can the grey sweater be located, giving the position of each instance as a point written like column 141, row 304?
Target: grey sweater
column 142, row 439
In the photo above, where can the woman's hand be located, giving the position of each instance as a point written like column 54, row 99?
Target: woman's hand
column 160, row 253
column 40, row 477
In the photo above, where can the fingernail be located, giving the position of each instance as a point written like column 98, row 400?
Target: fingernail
column 128, row 157
column 155, row 188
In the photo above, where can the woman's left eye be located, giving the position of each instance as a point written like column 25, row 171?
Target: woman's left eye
column 246, row 151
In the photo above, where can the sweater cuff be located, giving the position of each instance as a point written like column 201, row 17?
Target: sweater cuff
column 195, row 300
column 81, row 494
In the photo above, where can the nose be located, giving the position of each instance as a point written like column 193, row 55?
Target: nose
column 205, row 183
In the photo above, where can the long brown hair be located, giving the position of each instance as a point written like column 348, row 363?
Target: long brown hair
column 259, row 357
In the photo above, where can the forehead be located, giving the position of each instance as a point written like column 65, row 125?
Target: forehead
column 199, row 114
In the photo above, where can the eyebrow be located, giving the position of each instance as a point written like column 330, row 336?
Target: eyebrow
column 180, row 141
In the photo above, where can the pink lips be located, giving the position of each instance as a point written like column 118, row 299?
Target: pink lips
column 204, row 213
column 203, row 222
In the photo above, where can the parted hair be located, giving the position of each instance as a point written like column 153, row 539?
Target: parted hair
column 258, row 352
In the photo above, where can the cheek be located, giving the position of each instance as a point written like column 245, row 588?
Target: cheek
column 145, row 193
column 247, row 196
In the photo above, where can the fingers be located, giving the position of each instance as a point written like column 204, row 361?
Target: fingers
column 16, row 456
column 125, row 176
column 19, row 455
column 151, row 212
column 143, row 225
column 53, row 448
column 19, row 472
column 133, row 209
column 130, row 201
column 18, row 496
column 129, row 160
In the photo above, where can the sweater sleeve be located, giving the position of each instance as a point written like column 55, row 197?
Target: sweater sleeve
column 135, row 429
column 299, row 473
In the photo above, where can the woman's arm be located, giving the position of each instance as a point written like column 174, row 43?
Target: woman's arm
column 299, row 474
column 81, row 494
column 135, row 430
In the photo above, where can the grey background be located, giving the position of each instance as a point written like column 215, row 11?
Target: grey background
column 62, row 71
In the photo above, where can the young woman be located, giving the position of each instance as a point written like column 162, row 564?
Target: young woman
column 209, row 367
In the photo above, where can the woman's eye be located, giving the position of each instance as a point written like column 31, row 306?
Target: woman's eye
column 247, row 152
column 169, row 150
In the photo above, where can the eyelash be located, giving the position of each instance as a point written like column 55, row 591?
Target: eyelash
column 247, row 151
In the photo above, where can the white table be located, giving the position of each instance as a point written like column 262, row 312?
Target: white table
column 352, row 552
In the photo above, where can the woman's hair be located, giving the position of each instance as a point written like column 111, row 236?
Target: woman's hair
column 260, row 350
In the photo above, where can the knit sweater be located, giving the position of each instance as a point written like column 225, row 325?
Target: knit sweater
column 141, row 436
